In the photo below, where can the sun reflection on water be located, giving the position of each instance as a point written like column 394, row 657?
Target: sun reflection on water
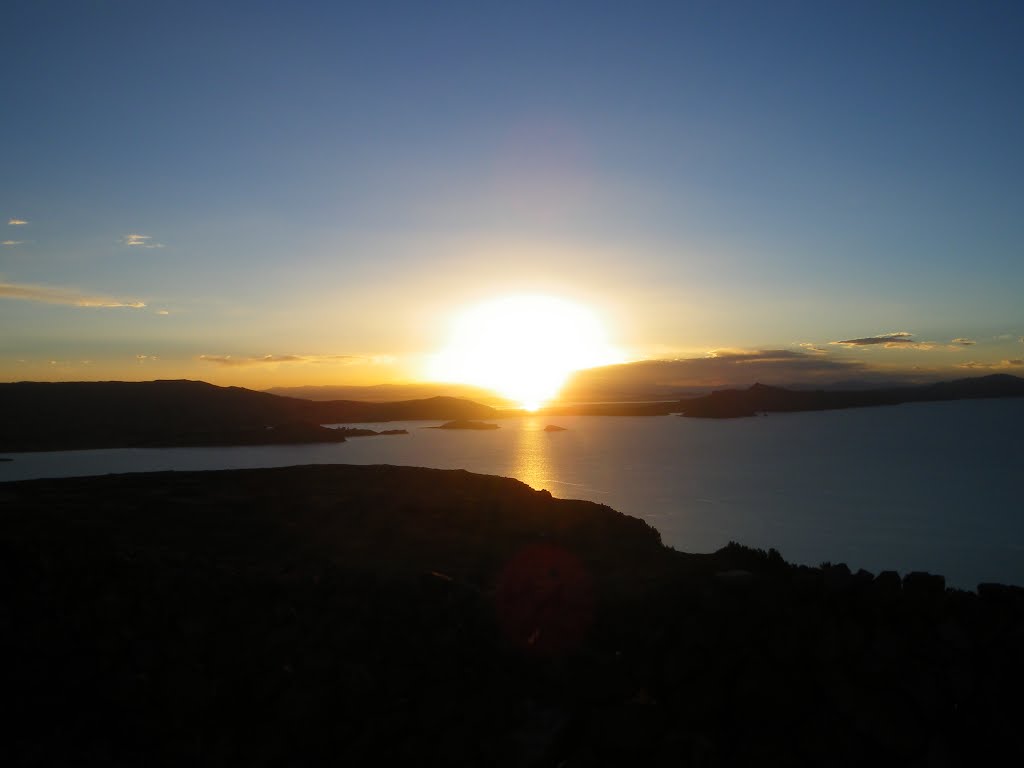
column 532, row 462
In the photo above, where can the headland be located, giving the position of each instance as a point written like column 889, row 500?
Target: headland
column 348, row 614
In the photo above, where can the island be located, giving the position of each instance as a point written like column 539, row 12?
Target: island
column 466, row 424
column 554, row 428
column 381, row 614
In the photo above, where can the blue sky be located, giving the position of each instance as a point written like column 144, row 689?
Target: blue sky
column 326, row 183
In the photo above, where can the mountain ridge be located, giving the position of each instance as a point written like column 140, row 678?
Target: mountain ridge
column 388, row 393
column 79, row 415
column 42, row 416
column 764, row 398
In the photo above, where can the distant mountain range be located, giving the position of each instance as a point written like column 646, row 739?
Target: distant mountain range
column 387, row 393
column 64, row 416
column 733, row 403
column 37, row 416
column 646, row 380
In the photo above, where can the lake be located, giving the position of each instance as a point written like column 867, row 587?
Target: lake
column 925, row 486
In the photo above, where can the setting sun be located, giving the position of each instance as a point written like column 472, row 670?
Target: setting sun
column 522, row 347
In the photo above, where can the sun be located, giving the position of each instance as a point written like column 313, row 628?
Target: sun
column 522, row 347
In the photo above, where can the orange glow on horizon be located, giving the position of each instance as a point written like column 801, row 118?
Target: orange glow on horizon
column 522, row 347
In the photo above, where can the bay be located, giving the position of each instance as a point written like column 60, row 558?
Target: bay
column 927, row 486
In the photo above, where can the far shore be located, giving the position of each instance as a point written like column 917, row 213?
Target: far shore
column 40, row 416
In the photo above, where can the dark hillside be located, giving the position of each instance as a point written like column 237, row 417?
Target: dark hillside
column 732, row 403
column 337, row 615
column 55, row 416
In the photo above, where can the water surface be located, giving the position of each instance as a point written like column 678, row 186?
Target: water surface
column 925, row 486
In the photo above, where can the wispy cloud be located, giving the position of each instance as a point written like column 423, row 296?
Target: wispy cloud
column 885, row 339
column 963, row 342
column 973, row 365
column 49, row 294
column 65, row 363
column 162, row 312
column 745, row 356
column 140, row 359
column 230, row 360
column 140, row 241
column 813, row 349
column 15, row 222
column 895, row 340
column 12, row 242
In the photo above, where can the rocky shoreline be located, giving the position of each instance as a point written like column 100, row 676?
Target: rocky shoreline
column 333, row 614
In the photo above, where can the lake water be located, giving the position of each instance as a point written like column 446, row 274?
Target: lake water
column 930, row 486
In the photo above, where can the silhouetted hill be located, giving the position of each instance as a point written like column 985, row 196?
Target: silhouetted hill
column 733, row 403
column 387, row 393
column 55, row 416
column 340, row 615
column 683, row 378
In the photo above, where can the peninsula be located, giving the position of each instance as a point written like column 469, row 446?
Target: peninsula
column 38, row 416
column 400, row 615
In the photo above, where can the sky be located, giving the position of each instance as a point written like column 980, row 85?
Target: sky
column 272, row 194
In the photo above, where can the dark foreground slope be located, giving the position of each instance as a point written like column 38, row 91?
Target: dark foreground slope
column 374, row 615
column 46, row 416
column 733, row 403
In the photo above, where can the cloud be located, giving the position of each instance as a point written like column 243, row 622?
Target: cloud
column 144, row 358
column 974, row 365
column 813, row 348
column 65, row 363
column 231, row 361
column 745, row 356
column 140, row 241
column 895, row 340
column 49, row 294
column 15, row 222
column 963, row 342
column 162, row 312
column 886, row 339
column 12, row 242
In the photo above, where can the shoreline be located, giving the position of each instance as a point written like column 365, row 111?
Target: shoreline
column 41, row 416
column 375, row 612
